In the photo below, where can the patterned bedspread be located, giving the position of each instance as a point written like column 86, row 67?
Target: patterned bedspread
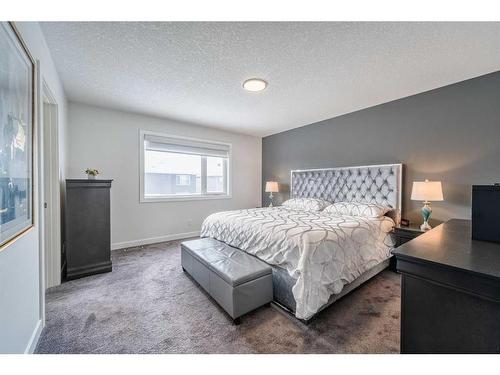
column 322, row 252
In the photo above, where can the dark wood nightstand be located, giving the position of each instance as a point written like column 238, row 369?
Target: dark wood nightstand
column 403, row 235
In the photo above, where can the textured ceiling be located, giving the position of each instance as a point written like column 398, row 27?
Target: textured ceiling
column 194, row 71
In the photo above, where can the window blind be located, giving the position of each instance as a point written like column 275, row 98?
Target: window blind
column 185, row 146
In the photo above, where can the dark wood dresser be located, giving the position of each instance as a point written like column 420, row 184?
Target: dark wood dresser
column 450, row 292
column 87, row 219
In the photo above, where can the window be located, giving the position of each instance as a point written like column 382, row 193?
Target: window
column 215, row 174
column 174, row 168
column 183, row 179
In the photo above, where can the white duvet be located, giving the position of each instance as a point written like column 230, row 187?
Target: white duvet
column 322, row 252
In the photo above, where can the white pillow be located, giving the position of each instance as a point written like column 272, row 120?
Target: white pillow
column 306, row 204
column 357, row 209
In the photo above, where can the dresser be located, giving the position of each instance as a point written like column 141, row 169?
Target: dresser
column 87, row 227
column 450, row 292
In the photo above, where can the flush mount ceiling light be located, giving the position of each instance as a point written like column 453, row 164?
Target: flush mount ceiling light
column 254, row 84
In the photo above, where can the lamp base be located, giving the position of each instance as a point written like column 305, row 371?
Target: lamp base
column 425, row 226
column 426, row 214
column 270, row 200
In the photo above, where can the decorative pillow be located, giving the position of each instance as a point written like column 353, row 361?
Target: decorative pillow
column 357, row 209
column 306, row 204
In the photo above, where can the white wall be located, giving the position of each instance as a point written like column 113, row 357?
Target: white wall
column 108, row 140
column 21, row 296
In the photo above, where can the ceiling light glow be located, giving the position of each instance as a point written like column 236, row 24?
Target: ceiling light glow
column 254, row 84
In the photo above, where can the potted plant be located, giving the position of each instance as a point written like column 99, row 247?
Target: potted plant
column 91, row 173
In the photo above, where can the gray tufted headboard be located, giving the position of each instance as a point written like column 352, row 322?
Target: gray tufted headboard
column 381, row 184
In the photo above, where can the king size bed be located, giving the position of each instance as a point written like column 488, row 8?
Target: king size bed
column 332, row 235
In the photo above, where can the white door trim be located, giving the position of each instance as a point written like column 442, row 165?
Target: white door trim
column 38, row 205
column 50, row 182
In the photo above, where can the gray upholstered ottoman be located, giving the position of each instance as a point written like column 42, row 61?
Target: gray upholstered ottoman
column 238, row 281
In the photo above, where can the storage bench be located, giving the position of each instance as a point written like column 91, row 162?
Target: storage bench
column 238, row 281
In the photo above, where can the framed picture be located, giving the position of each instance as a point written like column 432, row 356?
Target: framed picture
column 17, row 105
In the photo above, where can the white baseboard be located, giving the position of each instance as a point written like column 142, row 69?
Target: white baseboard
column 148, row 241
column 30, row 348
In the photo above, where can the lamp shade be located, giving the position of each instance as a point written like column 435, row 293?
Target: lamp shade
column 427, row 191
column 271, row 187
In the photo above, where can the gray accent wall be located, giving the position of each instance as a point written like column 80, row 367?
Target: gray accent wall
column 451, row 134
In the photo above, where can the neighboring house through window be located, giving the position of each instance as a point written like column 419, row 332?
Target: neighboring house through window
column 176, row 168
column 183, row 179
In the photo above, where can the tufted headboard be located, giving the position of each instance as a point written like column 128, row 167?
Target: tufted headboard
column 381, row 184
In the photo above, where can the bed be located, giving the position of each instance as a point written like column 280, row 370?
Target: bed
column 316, row 257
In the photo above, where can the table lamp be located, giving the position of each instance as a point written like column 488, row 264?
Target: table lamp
column 271, row 187
column 426, row 191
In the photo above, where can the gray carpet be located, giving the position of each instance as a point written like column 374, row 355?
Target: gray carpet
column 148, row 305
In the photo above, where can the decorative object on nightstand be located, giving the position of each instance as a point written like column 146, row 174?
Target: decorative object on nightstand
column 426, row 191
column 271, row 187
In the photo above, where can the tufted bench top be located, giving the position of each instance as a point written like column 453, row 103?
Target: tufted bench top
column 233, row 265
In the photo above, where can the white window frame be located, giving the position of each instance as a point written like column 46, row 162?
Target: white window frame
column 179, row 182
column 204, row 195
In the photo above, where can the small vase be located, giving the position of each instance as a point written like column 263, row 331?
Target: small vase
column 91, row 177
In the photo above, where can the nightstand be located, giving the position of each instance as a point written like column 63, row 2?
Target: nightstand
column 403, row 235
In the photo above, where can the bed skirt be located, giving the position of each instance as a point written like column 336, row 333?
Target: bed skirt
column 283, row 284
